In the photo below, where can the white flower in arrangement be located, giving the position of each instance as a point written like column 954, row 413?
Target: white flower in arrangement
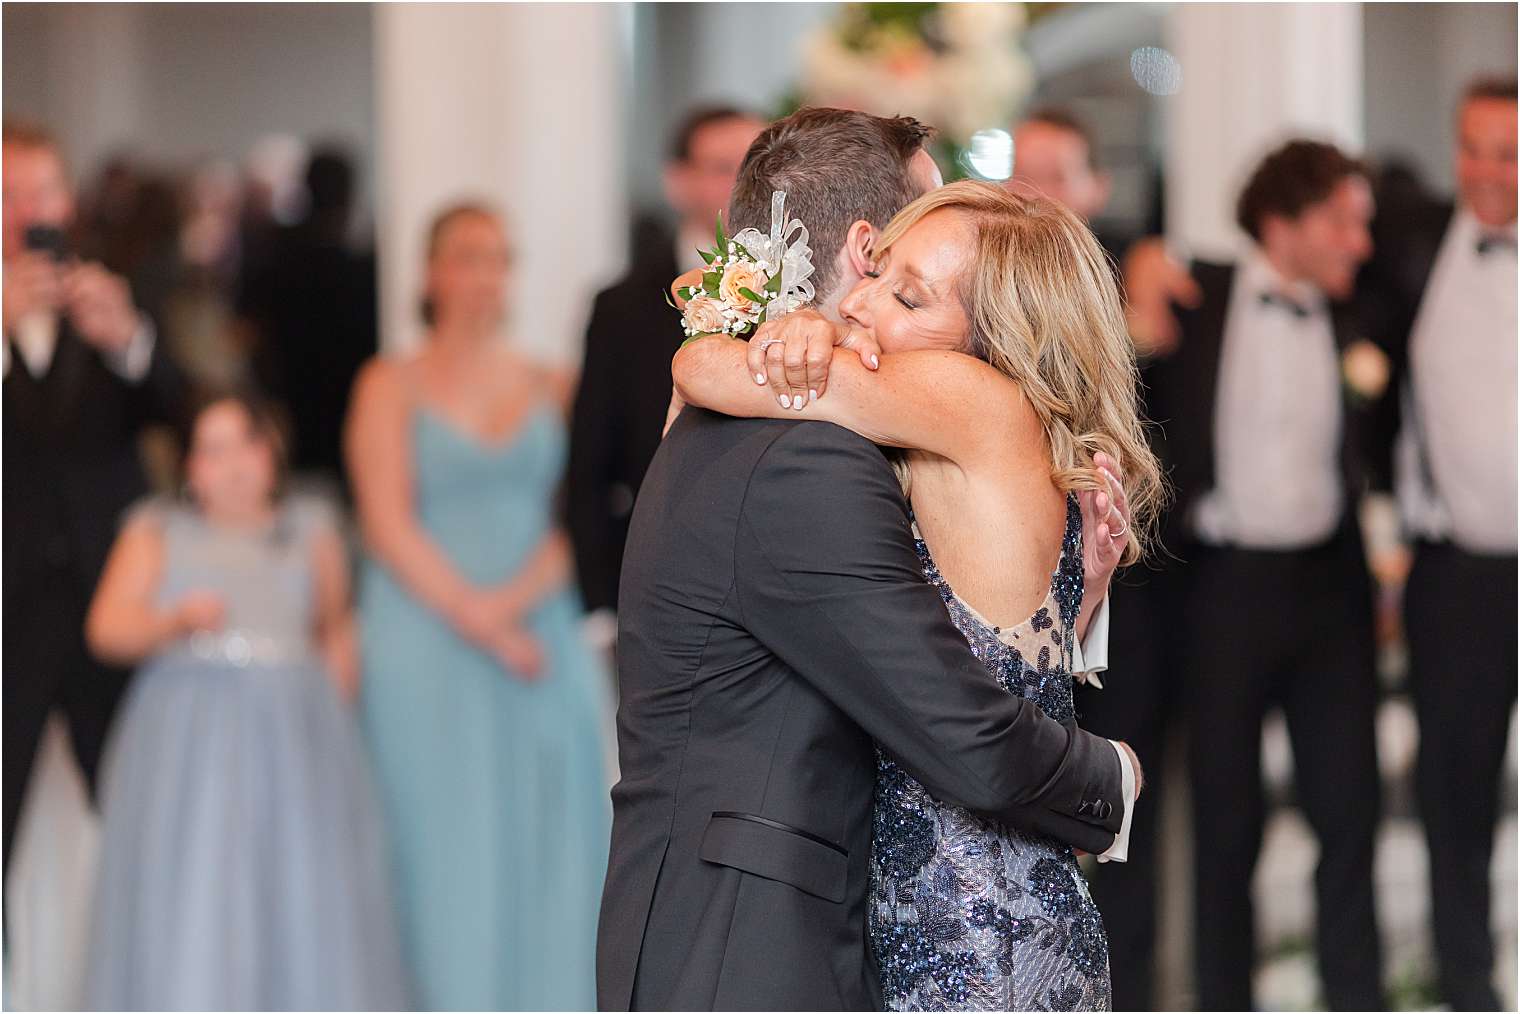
column 958, row 66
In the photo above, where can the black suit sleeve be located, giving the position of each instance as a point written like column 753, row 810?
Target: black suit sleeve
column 828, row 581
column 595, row 431
column 161, row 395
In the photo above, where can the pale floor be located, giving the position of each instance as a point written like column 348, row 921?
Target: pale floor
column 47, row 898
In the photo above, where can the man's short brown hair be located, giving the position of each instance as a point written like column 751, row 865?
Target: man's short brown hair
column 1491, row 87
column 1299, row 174
column 836, row 166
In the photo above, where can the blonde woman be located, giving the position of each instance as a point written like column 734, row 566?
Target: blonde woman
column 1005, row 372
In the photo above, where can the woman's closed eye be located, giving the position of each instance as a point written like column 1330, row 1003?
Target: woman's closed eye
column 905, row 301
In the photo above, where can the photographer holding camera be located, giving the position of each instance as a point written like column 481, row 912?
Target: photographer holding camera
column 83, row 374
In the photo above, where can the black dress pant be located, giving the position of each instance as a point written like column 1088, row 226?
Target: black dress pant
column 47, row 667
column 1138, row 704
column 1460, row 623
column 1290, row 630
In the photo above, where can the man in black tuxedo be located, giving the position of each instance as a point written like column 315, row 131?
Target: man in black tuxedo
column 632, row 335
column 1440, row 295
column 1276, row 605
column 83, row 374
column 775, row 626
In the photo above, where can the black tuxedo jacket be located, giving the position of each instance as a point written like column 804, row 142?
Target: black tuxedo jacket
column 776, row 627
column 71, row 461
column 1182, row 394
column 620, row 411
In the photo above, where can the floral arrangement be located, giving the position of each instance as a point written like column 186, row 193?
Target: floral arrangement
column 750, row 278
column 957, row 66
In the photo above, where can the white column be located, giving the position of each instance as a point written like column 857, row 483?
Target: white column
column 1253, row 75
column 96, row 60
column 520, row 105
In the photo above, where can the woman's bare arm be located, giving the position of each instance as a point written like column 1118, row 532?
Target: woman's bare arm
column 377, row 446
column 125, row 625
column 945, row 403
column 335, row 620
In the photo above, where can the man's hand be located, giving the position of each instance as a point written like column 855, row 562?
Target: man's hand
column 793, row 354
column 33, row 283
column 1153, row 281
column 100, row 306
column 688, row 280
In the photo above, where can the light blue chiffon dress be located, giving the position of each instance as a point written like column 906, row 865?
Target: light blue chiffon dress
column 242, row 854
column 495, row 787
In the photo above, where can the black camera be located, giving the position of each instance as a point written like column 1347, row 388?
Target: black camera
column 48, row 239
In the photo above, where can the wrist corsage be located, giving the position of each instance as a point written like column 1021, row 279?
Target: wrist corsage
column 750, row 278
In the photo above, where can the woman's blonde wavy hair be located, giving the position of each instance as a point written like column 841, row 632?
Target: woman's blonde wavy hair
column 1045, row 311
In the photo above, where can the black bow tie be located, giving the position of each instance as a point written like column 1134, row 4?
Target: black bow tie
column 1495, row 241
column 1297, row 309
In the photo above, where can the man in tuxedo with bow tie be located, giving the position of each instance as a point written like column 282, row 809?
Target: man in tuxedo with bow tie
column 1276, row 601
column 1440, row 296
column 83, row 374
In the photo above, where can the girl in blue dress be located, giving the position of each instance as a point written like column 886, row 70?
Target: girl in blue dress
column 242, row 865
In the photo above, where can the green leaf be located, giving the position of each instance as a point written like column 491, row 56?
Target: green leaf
column 711, row 280
column 670, row 302
column 707, row 256
column 751, row 294
column 773, row 285
column 722, row 239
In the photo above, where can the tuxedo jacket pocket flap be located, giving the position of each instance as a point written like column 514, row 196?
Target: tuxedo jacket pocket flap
column 773, row 850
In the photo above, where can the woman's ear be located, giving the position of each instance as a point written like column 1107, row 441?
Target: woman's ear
column 859, row 241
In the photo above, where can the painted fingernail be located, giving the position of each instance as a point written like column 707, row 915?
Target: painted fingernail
column 786, row 401
column 797, row 403
column 812, row 395
column 760, row 379
column 875, row 362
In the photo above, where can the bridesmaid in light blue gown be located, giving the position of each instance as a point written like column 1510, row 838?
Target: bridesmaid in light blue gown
column 483, row 705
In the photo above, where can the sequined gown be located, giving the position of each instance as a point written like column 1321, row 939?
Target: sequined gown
column 967, row 914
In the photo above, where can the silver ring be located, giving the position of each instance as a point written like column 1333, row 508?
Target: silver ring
column 766, row 343
column 1120, row 533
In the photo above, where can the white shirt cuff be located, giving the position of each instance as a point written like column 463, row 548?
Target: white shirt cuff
column 600, row 628
column 1118, row 852
column 131, row 363
column 1090, row 655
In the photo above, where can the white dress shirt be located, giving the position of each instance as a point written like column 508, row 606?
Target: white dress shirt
column 1277, row 418
column 36, row 338
column 1456, row 453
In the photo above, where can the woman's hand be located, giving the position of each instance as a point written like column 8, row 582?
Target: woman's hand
column 793, row 354
column 492, row 621
column 1105, row 533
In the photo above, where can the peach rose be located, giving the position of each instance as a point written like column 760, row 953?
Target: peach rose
column 704, row 315
column 741, row 275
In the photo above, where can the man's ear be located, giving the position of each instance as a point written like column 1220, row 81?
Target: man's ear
column 859, row 244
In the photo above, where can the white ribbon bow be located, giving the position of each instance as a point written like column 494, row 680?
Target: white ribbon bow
column 792, row 255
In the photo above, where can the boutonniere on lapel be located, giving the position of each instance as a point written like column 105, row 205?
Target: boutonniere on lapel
column 1365, row 370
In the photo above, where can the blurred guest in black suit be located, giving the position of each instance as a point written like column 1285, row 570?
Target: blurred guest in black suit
column 1440, row 295
column 84, row 373
column 1055, row 156
column 1262, row 440
column 625, row 382
column 312, row 303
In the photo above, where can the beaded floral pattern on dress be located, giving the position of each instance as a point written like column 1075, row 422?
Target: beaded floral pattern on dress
column 967, row 914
